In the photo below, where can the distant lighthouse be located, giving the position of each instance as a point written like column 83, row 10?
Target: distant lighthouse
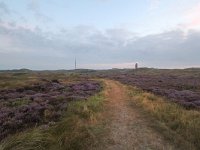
column 136, row 66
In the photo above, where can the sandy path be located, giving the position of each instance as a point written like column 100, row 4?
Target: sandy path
column 128, row 129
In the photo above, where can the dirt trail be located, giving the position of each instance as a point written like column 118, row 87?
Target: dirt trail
column 128, row 129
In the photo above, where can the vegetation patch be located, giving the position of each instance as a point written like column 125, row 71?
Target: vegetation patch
column 78, row 129
column 41, row 103
column 178, row 124
column 179, row 86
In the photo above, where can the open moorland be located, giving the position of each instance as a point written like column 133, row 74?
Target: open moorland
column 179, row 86
column 104, row 109
column 27, row 99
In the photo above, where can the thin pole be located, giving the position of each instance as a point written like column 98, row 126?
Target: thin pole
column 75, row 63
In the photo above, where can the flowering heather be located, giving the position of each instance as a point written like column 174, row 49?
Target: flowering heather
column 40, row 103
column 184, row 90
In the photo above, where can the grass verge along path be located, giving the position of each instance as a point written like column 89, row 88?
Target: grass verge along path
column 176, row 123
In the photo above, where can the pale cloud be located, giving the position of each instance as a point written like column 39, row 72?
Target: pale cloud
column 31, row 44
column 154, row 4
column 34, row 6
column 4, row 9
column 103, row 49
column 192, row 18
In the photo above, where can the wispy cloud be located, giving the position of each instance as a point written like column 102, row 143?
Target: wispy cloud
column 193, row 17
column 154, row 4
column 34, row 6
column 4, row 9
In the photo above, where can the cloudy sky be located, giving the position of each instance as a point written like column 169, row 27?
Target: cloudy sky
column 49, row 34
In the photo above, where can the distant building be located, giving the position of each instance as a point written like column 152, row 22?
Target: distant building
column 136, row 65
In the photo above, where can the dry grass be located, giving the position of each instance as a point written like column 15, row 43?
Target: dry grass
column 177, row 124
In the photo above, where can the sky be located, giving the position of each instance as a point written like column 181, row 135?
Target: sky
column 100, row 34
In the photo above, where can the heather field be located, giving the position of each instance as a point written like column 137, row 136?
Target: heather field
column 39, row 99
column 100, row 109
column 169, row 98
column 179, row 86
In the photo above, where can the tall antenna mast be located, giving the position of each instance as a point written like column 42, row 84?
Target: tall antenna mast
column 75, row 63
